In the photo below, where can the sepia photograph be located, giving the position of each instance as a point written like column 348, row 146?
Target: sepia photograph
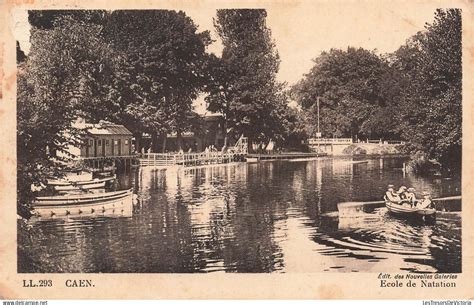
column 313, row 138
column 147, row 143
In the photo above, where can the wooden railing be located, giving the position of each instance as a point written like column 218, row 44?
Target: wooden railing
column 157, row 159
column 235, row 153
column 186, row 159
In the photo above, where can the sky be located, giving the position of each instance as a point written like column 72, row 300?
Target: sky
column 304, row 29
column 302, row 32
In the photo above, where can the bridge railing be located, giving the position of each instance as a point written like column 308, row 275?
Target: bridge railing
column 313, row 141
column 383, row 142
column 393, row 142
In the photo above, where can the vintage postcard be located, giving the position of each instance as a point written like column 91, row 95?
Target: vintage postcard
column 236, row 149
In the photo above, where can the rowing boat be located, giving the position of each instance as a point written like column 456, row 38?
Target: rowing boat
column 118, row 202
column 356, row 204
column 401, row 209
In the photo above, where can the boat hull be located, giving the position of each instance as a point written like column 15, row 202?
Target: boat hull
column 118, row 203
column 426, row 212
column 401, row 210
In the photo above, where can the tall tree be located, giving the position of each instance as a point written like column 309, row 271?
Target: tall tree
column 161, row 67
column 53, row 85
column 355, row 99
column 245, row 88
column 431, row 105
column 141, row 68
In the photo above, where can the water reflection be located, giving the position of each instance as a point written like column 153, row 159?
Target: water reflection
column 261, row 217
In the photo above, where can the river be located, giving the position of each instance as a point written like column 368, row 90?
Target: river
column 253, row 217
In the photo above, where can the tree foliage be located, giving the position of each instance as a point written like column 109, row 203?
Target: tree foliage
column 414, row 93
column 138, row 68
column 144, row 68
column 56, row 79
column 358, row 94
column 431, row 63
column 245, row 88
column 161, row 68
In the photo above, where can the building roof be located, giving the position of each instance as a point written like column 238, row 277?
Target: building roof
column 107, row 129
column 102, row 128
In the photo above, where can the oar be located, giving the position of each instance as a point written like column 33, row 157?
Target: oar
column 354, row 204
column 458, row 197
column 357, row 204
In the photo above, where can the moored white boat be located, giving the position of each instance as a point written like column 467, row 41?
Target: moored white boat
column 118, row 203
column 74, row 175
column 66, row 185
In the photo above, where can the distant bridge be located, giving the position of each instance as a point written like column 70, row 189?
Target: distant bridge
column 335, row 146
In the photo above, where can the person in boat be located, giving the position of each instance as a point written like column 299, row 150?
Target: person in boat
column 411, row 197
column 402, row 193
column 426, row 202
column 391, row 195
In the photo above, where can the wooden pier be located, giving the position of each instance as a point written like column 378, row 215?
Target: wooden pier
column 189, row 159
column 233, row 154
column 97, row 164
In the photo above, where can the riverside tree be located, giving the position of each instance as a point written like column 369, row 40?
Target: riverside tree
column 244, row 88
column 431, row 62
column 56, row 79
column 161, row 64
column 82, row 58
column 138, row 68
column 357, row 91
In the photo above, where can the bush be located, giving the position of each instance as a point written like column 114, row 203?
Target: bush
column 420, row 164
column 354, row 149
column 385, row 150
